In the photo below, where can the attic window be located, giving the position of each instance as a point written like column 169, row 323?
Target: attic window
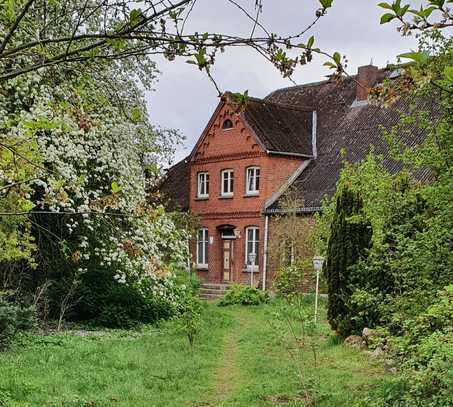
column 227, row 124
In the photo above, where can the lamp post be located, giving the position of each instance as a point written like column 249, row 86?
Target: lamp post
column 252, row 258
column 318, row 261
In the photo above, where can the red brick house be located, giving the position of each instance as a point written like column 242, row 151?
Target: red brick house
column 247, row 157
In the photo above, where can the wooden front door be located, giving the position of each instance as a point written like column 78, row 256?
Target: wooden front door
column 227, row 259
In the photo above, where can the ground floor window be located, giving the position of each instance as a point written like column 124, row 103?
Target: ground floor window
column 252, row 235
column 202, row 247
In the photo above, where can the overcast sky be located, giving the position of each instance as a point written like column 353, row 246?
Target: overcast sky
column 184, row 98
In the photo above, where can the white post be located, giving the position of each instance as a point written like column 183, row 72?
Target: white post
column 252, row 257
column 318, row 261
column 316, row 298
column 266, row 231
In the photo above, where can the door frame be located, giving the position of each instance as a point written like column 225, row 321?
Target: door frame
column 230, row 250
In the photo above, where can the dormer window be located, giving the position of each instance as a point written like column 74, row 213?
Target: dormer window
column 227, row 124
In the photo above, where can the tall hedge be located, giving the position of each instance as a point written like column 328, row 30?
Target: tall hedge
column 350, row 236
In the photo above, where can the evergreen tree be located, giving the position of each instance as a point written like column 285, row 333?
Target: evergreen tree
column 350, row 236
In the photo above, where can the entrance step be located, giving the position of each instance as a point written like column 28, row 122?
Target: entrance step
column 212, row 291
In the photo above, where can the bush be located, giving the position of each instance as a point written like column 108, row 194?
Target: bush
column 14, row 318
column 187, row 280
column 106, row 302
column 350, row 236
column 188, row 316
column 244, row 295
column 424, row 350
column 294, row 279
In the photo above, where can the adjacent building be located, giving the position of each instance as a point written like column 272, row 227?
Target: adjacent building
column 248, row 156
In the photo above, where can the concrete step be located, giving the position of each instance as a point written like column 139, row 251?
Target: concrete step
column 212, row 291
column 213, row 286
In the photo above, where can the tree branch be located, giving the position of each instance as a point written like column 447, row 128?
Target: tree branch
column 15, row 25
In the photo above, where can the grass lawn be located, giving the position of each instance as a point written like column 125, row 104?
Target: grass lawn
column 241, row 358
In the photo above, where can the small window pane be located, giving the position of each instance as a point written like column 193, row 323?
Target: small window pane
column 252, row 245
column 253, row 174
column 227, row 182
column 203, row 184
column 200, row 252
column 227, row 124
column 202, row 247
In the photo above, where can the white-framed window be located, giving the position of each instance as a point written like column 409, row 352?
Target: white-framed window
column 252, row 242
column 253, row 181
column 227, row 178
column 203, row 185
column 202, row 248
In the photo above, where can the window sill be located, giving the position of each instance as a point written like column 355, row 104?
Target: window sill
column 252, row 195
column 226, row 196
column 202, row 268
column 202, row 198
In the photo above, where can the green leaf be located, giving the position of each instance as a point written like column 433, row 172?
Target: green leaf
column 136, row 114
column 115, row 187
column 330, row 65
column 385, row 5
column 427, row 12
column 438, row 3
column 27, row 206
column 337, row 58
column 118, row 44
column 9, row 9
column 135, row 16
column 326, row 3
column 419, row 57
column 396, row 6
column 403, row 10
column 448, row 73
column 387, row 17
column 310, row 42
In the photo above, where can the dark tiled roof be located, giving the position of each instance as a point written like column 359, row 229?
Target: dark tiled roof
column 354, row 128
column 175, row 186
column 280, row 128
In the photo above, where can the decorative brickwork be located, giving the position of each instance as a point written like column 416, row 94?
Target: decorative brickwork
column 236, row 149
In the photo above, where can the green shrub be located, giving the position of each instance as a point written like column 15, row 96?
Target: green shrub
column 187, row 280
column 424, row 351
column 14, row 318
column 188, row 316
column 294, row 279
column 106, row 302
column 244, row 295
column 429, row 385
column 350, row 236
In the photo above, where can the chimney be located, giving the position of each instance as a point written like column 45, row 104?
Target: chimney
column 314, row 124
column 367, row 76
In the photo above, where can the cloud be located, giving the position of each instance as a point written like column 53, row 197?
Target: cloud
column 185, row 98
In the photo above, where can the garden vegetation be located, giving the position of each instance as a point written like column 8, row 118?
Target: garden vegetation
column 389, row 237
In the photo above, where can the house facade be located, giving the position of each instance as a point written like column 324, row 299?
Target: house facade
column 248, row 156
